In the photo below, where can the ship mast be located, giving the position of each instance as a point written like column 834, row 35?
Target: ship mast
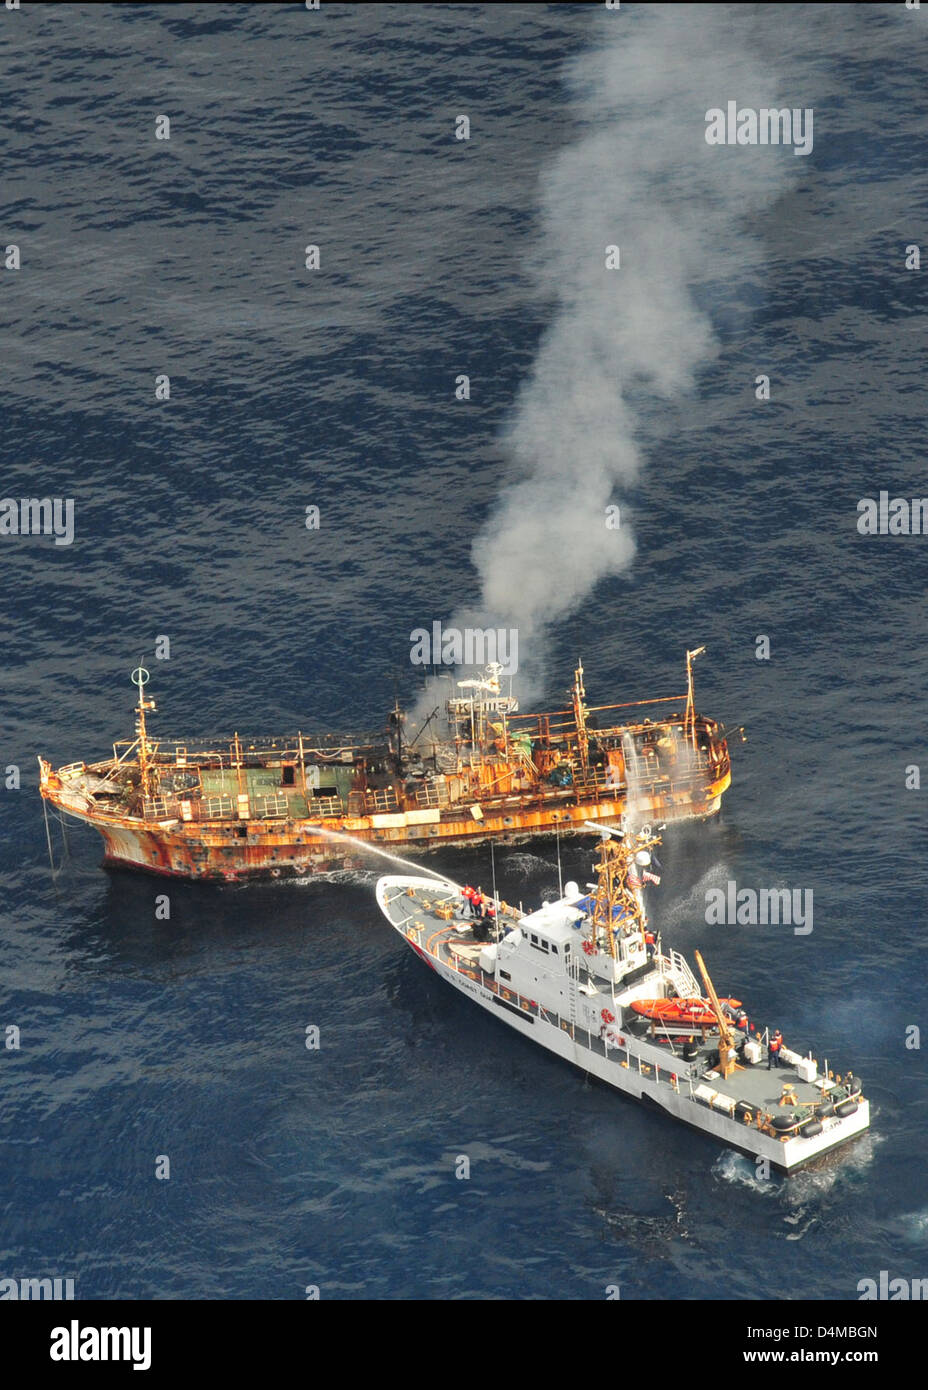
column 613, row 890
column 689, row 718
column 396, row 723
column 579, row 694
column 140, row 678
column 606, row 891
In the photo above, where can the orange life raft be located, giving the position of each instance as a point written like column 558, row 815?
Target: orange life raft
column 681, row 1012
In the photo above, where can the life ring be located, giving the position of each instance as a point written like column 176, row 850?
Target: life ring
column 607, row 1017
column 589, row 949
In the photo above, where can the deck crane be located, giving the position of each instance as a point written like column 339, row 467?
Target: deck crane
column 727, row 1063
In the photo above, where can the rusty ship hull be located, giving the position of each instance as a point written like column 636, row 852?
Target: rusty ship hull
column 256, row 808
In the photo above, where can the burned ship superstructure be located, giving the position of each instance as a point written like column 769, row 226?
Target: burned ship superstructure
column 241, row 807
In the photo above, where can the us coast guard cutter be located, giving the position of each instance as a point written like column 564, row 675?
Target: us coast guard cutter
column 578, row 977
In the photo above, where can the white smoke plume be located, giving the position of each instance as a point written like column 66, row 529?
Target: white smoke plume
column 638, row 175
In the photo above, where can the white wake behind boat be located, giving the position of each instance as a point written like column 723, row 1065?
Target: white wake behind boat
column 568, row 975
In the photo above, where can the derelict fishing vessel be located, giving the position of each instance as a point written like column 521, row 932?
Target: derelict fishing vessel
column 578, row 977
column 243, row 807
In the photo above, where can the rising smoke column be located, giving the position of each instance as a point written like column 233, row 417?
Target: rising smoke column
column 639, row 175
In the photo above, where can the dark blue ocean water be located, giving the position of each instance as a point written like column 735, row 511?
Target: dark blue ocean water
column 141, row 1038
